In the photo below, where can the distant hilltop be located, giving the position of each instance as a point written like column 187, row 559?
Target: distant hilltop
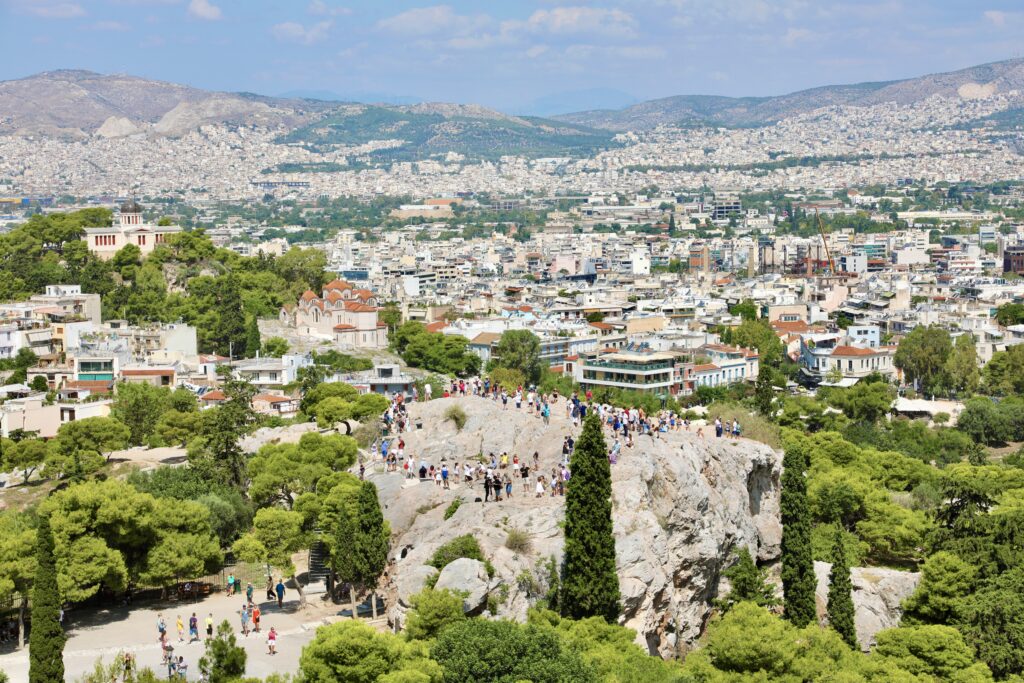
column 77, row 104
column 970, row 83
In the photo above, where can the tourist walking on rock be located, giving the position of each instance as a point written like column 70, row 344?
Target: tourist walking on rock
column 280, row 592
column 272, row 640
column 193, row 628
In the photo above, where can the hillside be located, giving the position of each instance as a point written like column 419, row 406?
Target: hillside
column 972, row 82
column 439, row 128
column 78, row 104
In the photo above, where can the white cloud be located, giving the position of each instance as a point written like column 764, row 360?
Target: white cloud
column 796, row 35
column 995, row 17
column 52, row 10
column 320, row 8
column 586, row 52
column 536, row 51
column 294, row 32
column 204, row 9
column 592, row 20
column 108, row 26
column 425, row 21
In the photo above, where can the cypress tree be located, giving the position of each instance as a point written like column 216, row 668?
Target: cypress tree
column 798, row 581
column 46, row 642
column 590, row 582
column 343, row 555
column 252, row 338
column 840, row 593
column 230, row 336
column 764, row 394
column 370, row 546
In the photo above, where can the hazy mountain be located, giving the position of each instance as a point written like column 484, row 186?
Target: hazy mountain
column 77, row 103
column 578, row 100
column 972, row 82
column 354, row 96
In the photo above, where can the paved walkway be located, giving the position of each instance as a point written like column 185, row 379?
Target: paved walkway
column 94, row 636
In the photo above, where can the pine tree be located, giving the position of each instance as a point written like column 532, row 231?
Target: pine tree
column 747, row 583
column 370, row 554
column 46, row 641
column 840, row 593
column 798, row 581
column 224, row 660
column 590, row 582
column 764, row 394
column 252, row 338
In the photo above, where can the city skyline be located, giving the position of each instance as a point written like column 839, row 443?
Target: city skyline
column 536, row 57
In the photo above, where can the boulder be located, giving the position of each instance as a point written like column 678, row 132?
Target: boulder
column 877, row 595
column 412, row 582
column 468, row 577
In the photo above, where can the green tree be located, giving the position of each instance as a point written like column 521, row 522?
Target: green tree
column 230, row 335
column 224, row 660
column 863, row 402
column 590, row 582
column 46, row 641
column 922, row 355
column 17, row 561
column 798, row 580
column 139, row 406
column 280, row 473
column 962, row 365
column 275, row 347
column 746, row 309
column 217, row 452
column 431, row 612
column 1010, row 314
column 370, row 555
column 946, row 581
column 993, row 622
column 520, row 350
column 840, row 593
column 81, row 446
column 483, row 650
column 176, row 428
column 353, row 652
column 983, row 421
column 275, row 535
column 1004, row 374
column 747, row 583
column 758, row 334
column 343, row 552
column 764, row 392
column 252, row 338
column 938, row 651
column 26, row 456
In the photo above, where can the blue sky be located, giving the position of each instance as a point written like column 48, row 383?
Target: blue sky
column 508, row 54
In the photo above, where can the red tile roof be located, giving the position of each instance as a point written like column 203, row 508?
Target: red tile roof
column 343, row 326
column 705, row 367
column 215, row 395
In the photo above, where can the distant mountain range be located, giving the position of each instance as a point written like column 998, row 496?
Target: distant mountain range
column 78, row 104
column 685, row 110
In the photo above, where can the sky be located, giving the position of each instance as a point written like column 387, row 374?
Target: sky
column 518, row 56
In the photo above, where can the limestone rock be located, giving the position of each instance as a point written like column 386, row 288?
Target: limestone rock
column 681, row 506
column 877, row 595
column 412, row 581
column 468, row 576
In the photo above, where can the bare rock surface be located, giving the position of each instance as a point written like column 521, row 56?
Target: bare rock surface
column 681, row 505
column 877, row 595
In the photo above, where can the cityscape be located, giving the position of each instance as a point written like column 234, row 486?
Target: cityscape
column 546, row 371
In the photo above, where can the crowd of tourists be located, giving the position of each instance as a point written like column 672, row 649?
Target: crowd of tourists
column 500, row 475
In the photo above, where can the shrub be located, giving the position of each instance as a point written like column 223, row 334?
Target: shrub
column 518, row 541
column 461, row 546
column 452, row 508
column 457, row 415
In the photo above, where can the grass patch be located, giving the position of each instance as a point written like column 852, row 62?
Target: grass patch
column 452, row 508
column 457, row 415
column 518, row 541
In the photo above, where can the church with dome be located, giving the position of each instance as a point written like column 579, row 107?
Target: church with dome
column 128, row 228
column 343, row 313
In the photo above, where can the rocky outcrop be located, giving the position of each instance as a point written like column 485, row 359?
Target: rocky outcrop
column 681, row 505
column 877, row 595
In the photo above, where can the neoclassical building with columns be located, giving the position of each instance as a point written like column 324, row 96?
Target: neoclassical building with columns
column 127, row 229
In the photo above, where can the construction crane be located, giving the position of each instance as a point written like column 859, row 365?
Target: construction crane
column 828, row 254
